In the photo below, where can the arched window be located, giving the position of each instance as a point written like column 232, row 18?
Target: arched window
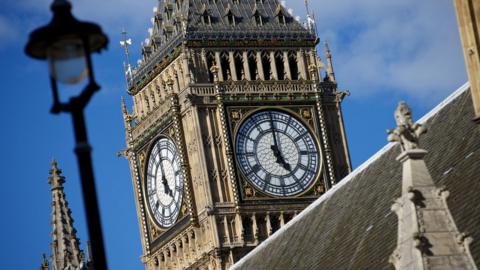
column 258, row 20
column 280, row 66
column 248, row 229
column 206, row 19
column 252, row 66
column 210, row 64
column 231, row 18
column 179, row 4
column 225, row 63
column 239, row 66
column 292, row 62
column 274, row 223
column 168, row 12
column 267, row 70
column 282, row 19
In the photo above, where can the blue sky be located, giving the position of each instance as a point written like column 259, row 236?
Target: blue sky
column 383, row 52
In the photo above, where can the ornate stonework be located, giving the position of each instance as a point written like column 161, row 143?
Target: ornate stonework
column 197, row 88
column 66, row 252
column 428, row 237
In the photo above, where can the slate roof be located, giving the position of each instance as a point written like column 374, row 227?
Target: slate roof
column 352, row 227
column 170, row 29
column 246, row 26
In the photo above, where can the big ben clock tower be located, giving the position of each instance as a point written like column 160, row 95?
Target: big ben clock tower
column 236, row 127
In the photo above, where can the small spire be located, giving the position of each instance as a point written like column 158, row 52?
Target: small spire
column 56, row 180
column 311, row 24
column 124, row 107
column 330, row 72
column 45, row 265
column 307, row 7
column 125, row 43
column 127, row 118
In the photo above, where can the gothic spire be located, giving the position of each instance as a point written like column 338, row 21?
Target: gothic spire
column 66, row 252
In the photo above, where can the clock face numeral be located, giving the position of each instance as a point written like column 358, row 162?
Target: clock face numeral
column 164, row 183
column 277, row 153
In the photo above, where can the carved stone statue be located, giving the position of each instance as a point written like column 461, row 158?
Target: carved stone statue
column 407, row 132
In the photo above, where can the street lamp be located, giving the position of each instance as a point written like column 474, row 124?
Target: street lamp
column 67, row 44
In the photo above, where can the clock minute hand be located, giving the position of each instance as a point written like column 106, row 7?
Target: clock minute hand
column 276, row 147
column 275, row 143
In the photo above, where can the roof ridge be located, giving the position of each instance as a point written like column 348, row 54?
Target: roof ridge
column 350, row 176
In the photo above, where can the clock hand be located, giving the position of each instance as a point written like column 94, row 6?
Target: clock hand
column 168, row 191
column 166, row 187
column 276, row 147
column 275, row 143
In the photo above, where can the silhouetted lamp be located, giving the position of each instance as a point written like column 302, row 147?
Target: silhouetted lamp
column 67, row 44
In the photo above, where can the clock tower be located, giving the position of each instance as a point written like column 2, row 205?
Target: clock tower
column 236, row 127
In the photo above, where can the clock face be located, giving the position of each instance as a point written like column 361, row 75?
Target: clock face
column 277, row 153
column 164, row 183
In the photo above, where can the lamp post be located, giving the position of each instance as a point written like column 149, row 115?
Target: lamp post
column 67, row 44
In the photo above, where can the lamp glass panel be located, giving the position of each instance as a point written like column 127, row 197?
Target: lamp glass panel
column 67, row 61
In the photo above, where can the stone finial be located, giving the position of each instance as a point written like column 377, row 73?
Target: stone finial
column 56, row 180
column 45, row 265
column 407, row 133
column 427, row 237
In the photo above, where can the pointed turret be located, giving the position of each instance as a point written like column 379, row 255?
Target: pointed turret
column 330, row 72
column 126, row 116
column 66, row 252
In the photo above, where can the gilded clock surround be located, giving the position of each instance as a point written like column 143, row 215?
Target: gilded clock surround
column 166, row 128
column 305, row 114
column 182, row 209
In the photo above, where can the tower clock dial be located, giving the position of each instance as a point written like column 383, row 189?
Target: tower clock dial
column 277, row 153
column 164, row 185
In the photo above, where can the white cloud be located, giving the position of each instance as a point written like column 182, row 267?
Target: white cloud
column 406, row 46
column 8, row 32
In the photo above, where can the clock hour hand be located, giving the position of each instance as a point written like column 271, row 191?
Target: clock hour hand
column 166, row 187
column 280, row 160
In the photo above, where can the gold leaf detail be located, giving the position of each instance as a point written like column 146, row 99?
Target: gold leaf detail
column 306, row 113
